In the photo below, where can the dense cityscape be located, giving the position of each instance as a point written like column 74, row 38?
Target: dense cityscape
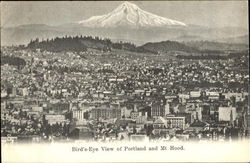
column 117, row 95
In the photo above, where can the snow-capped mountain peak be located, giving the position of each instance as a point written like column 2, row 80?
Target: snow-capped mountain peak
column 129, row 15
column 127, row 5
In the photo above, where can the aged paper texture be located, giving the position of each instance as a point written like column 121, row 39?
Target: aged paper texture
column 125, row 81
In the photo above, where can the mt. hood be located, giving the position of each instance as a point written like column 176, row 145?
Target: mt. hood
column 129, row 15
column 127, row 23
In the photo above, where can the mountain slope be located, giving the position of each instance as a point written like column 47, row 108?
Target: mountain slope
column 166, row 46
column 211, row 45
column 130, row 15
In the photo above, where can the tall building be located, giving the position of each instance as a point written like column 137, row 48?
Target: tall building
column 227, row 113
column 125, row 112
column 14, row 91
column 167, row 109
column 78, row 114
column 157, row 110
column 105, row 113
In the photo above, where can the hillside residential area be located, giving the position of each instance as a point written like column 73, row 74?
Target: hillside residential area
column 120, row 95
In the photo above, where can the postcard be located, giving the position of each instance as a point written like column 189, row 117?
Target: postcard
column 125, row 81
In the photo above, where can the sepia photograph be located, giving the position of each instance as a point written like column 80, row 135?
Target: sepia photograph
column 136, row 81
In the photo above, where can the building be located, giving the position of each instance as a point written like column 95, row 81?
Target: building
column 195, row 94
column 105, row 113
column 188, row 117
column 78, row 114
column 37, row 109
column 60, row 108
column 167, row 109
column 3, row 105
column 141, row 119
column 169, row 122
column 183, row 97
column 213, row 95
column 176, row 122
column 237, row 96
column 157, row 110
column 55, row 118
column 25, row 92
column 125, row 112
column 134, row 115
column 227, row 113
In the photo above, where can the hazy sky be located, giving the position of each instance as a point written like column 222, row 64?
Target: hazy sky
column 209, row 13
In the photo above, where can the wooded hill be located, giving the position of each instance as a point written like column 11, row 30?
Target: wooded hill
column 83, row 43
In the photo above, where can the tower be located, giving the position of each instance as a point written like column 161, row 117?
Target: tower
column 231, row 118
column 167, row 108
